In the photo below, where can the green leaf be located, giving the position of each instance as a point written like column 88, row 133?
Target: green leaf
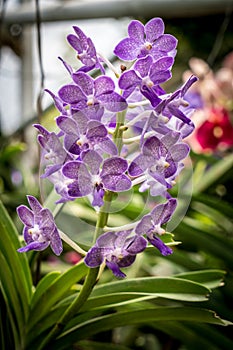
column 93, row 345
column 55, row 291
column 213, row 174
column 144, row 316
column 164, row 287
column 16, row 282
column 209, row 278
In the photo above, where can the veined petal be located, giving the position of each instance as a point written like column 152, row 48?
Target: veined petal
column 115, row 268
column 115, row 166
column 38, row 246
column 93, row 160
column 113, row 102
column 103, row 85
column 163, row 212
column 116, row 183
column 136, row 244
column 71, row 94
column 127, row 49
column 55, row 242
column 26, row 215
column 96, row 130
column 145, row 225
column 179, row 151
column 34, row 204
column 136, row 31
column 165, row 43
column 67, row 125
column 84, row 81
column 74, row 169
column 151, row 147
column 94, row 257
column 143, row 65
column 139, row 165
column 128, row 80
column 75, row 42
column 154, row 29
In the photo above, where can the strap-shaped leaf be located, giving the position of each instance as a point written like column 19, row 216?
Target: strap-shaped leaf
column 16, row 282
column 209, row 278
column 143, row 316
column 54, row 292
column 164, row 287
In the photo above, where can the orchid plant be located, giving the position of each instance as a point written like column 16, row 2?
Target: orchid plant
column 117, row 131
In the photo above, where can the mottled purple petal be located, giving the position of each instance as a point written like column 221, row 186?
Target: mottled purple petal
column 74, row 42
column 151, row 147
column 143, row 66
column 96, row 130
column 113, row 102
column 163, row 212
column 115, row 166
column 38, row 246
column 154, row 29
column 137, row 244
column 103, row 85
column 165, row 43
column 84, row 81
column 34, row 204
column 67, row 125
column 94, row 257
column 55, row 242
column 139, row 165
column 179, row 151
column 93, row 160
column 158, row 243
column 127, row 49
column 129, row 80
column 71, row 94
column 75, row 169
column 136, row 31
column 116, row 183
column 115, row 269
column 145, row 225
column 25, row 215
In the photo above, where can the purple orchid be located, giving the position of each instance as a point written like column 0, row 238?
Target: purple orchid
column 40, row 230
column 90, row 179
column 150, row 225
column 87, row 92
column 160, row 161
column 143, row 40
column 81, row 134
column 147, row 76
column 85, row 49
column 54, row 154
column 172, row 104
column 117, row 249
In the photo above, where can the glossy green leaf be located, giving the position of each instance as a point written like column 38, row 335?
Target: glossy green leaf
column 164, row 287
column 143, row 316
column 55, row 292
column 209, row 278
column 16, row 283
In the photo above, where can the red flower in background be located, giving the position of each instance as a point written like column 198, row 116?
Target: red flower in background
column 217, row 131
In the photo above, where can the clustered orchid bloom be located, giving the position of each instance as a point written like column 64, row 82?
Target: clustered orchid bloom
column 114, row 134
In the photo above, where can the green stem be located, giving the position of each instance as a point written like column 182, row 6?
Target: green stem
column 118, row 133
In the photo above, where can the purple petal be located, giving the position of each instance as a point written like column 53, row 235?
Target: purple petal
column 74, row 169
column 116, row 183
column 38, row 246
column 179, row 151
column 136, row 31
column 136, row 245
column 127, row 49
column 162, row 64
column 108, row 146
column 94, row 257
column 143, row 66
column 115, row 268
column 75, row 42
column 25, row 215
column 145, row 225
column 93, row 160
column 67, row 125
column 113, row 102
column 55, row 242
column 158, row 243
column 163, row 212
column 84, row 81
column 115, row 166
column 82, row 37
column 71, row 94
column 98, row 195
column 81, row 120
column 165, row 43
column 96, row 130
column 154, row 29
column 139, row 165
column 34, row 204
column 103, row 85
column 152, row 147
column 128, row 80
